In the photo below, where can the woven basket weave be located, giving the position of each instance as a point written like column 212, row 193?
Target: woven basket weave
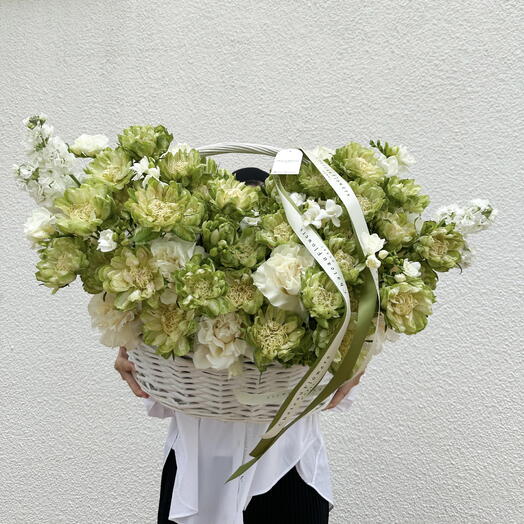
column 177, row 384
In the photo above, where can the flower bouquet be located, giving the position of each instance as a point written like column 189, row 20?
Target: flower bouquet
column 311, row 271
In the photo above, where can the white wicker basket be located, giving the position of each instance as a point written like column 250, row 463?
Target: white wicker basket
column 177, row 384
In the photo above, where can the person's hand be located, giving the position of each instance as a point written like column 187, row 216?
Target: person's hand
column 343, row 390
column 125, row 368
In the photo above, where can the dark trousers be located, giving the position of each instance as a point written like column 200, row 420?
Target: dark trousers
column 289, row 501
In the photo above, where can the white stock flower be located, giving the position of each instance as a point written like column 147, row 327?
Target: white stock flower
column 389, row 165
column 106, row 242
column 411, row 269
column 142, row 168
column 219, row 344
column 382, row 254
column 39, row 225
column 372, row 262
column 118, row 328
column 404, row 157
column 313, row 214
column 297, row 198
column 332, row 211
column 279, row 277
column 400, row 277
column 371, row 243
column 324, row 153
column 249, row 221
column 171, row 252
column 89, row 145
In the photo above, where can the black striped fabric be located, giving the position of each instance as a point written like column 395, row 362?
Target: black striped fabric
column 289, row 501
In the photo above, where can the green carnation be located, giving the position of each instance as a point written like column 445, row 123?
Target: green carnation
column 141, row 141
column 345, row 252
column 83, row 209
column 356, row 161
column 60, row 261
column 320, row 295
column 370, row 196
column 167, row 207
column 218, row 231
column 405, row 192
column 241, row 292
column 440, row 245
column 89, row 275
column 275, row 335
column 407, row 306
column 313, row 182
column 428, row 275
column 200, row 286
column 168, row 328
column 232, row 197
column 397, row 228
column 186, row 167
column 132, row 275
column 112, row 168
column 274, row 230
column 244, row 251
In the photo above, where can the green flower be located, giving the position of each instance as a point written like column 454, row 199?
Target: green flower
column 245, row 251
column 345, row 252
column 132, row 275
column 167, row 207
column 275, row 334
column 274, row 230
column 168, row 328
column 141, row 141
column 406, row 193
column 370, row 196
column 289, row 182
column 89, row 275
column 397, row 228
column 320, row 295
column 428, row 275
column 440, row 245
column 186, row 167
column 356, row 161
column 60, row 261
column 112, row 168
column 407, row 306
column 232, row 197
column 84, row 208
column 313, row 183
column 241, row 292
column 200, row 286
column 220, row 230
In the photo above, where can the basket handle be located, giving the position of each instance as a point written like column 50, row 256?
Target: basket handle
column 237, row 147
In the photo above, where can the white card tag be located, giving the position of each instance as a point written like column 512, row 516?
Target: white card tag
column 287, row 162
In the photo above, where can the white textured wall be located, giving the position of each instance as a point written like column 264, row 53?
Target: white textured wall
column 436, row 434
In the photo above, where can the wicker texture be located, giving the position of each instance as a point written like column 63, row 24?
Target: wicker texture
column 177, row 384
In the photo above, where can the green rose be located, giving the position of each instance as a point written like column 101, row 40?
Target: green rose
column 168, row 328
column 274, row 230
column 405, row 192
column 111, row 168
column 233, row 198
column 440, row 245
column 370, row 196
column 397, row 228
column 167, row 207
column 355, row 161
column 83, row 209
column 141, row 141
column 241, row 292
column 320, row 295
column 199, row 286
column 407, row 305
column 275, row 334
column 186, row 167
column 60, row 261
column 132, row 275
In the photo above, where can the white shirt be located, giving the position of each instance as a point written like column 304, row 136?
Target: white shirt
column 208, row 451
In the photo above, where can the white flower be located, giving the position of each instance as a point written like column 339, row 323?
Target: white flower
column 118, row 328
column 372, row 262
column 400, row 277
column 171, row 252
column 411, row 269
column 298, row 198
column 173, row 148
column 332, row 211
column 89, row 145
column 313, row 214
column 249, row 221
column 219, row 345
column 389, row 165
column 39, row 225
column 382, row 254
column 106, row 242
column 279, row 277
column 405, row 159
column 323, row 153
column 371, row 243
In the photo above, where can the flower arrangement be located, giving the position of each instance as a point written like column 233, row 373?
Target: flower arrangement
column 180, row 254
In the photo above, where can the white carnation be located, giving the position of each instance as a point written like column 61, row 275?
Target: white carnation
column 106, row 242
column 39, row 225
column 171, row 252
column 118, row 328
column 279, row 277
column 89, row 145
column 219, row 344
